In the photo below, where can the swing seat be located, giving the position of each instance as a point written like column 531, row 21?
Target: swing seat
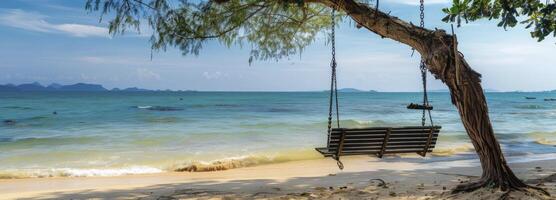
column 380, row 141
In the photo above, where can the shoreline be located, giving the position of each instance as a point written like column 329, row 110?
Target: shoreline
column 440, row 161
column 301, row 177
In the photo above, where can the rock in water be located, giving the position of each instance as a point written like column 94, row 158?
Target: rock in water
column 9, row 122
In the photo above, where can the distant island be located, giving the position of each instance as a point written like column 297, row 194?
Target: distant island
column 78, row 87
column 351, row 90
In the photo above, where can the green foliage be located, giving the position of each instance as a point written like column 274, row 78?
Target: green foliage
column 273, row 28
column 540, row 16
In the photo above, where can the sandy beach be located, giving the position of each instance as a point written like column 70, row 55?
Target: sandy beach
column 310, row 179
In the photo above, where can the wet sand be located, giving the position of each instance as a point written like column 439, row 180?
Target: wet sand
column 363, row 178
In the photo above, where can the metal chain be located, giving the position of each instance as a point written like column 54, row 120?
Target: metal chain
column 425, row 95
column 334, row 65
column 422, row 9
column 422, row 65
column 334, row 88
column 333, row 82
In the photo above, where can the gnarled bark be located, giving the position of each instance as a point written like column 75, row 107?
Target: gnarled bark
column 467, row 95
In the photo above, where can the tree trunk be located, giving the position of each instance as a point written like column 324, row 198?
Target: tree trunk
column 436, row 48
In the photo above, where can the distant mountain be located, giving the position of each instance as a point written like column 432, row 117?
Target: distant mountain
column 134, row 89
column 349, row 90
column 8, row 87
column 83, row 87
column 53, row 87
column 31, row 87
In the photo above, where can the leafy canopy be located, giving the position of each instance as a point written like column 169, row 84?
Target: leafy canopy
column 272, row 28
column 539, row 15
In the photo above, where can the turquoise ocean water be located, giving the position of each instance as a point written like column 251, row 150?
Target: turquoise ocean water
column 108, row 133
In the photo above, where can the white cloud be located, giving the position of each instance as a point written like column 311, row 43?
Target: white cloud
column 80, row 30
column 146, row 74
column 36, row 22
column 214, row 75
column 416, row 2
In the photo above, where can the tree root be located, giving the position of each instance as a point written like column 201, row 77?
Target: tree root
column 470, row 187
column 539, row 189
column 508, row 188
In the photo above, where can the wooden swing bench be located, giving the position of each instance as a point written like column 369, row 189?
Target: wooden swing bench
column 380, row 141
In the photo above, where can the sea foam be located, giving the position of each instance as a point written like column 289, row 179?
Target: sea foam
column 77, row 172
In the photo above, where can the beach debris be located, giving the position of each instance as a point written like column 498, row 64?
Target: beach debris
column 392, row 194
column 538, row 169
column 381, row 183
column 277, row 188
column 331, row 174
column 421, row 186
column 443, row 187
column 165, row 198
column 455, row 174
column 320, row 188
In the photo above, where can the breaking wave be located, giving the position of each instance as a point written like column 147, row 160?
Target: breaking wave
column 159, row 108
column 452, row 149
column 75, row 172
column 248, row 161
column 544, row 138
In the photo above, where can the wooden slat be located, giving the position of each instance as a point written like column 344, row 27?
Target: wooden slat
column 384, row 129
column 416, row 135
column 345, row 148
column 419, row 147
column 400, row 139
column 393, row 128
column 418, row 139
column 370, row 152
column 372, row 132
column 380, row 144
column 420, row 135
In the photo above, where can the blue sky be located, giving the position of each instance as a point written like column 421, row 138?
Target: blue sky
column 58, row 41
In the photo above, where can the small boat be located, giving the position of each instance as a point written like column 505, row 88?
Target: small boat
column 530, row 97
column 419, row 106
